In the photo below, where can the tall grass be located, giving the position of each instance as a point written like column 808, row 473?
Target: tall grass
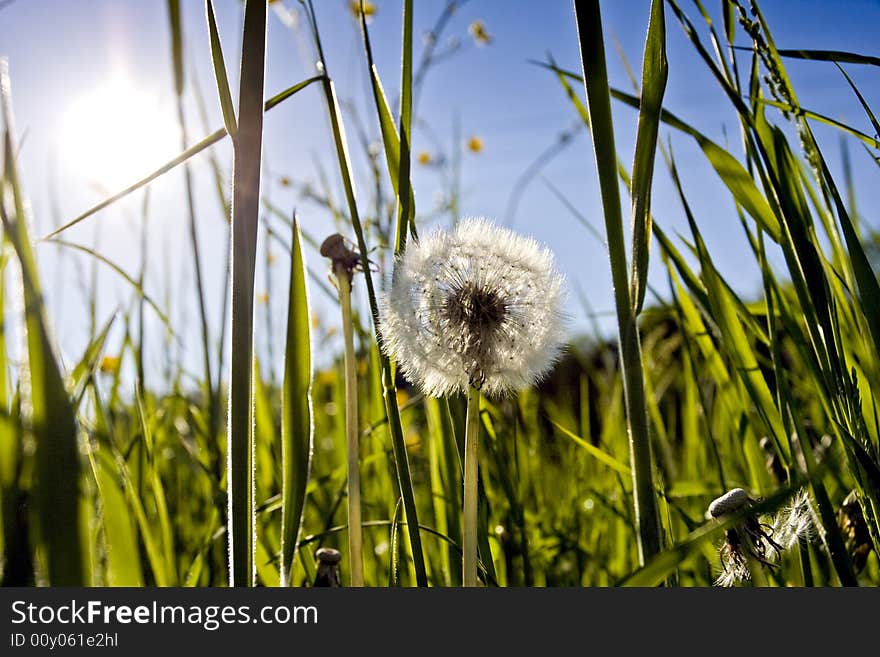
column 601, row 475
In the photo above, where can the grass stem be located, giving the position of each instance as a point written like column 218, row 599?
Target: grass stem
column 355, row 532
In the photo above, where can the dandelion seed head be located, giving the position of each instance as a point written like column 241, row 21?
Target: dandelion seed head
column 476, row 306
column 796, row 522
column 733, row 500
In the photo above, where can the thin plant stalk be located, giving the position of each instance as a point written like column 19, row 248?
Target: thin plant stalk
column 389, row 389
column 471, row 472
column 177, row 52
column 355, row 531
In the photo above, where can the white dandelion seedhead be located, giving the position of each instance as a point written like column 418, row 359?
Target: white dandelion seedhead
column 796, row 522
column 476, row 306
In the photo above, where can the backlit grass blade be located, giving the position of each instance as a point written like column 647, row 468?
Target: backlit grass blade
column 655, row 70
column 125, row 276
column 222, row 79
column 120, row 534
column 838, row 56
column 592, row 50
column 248, row 145
column 195, row 149
column 397, row 152
column 195, row 251
column 406, row 211
column 57, row 462
column 867, row 139
column 297, row 429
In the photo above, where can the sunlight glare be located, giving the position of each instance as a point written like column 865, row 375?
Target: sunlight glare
column 116, row 134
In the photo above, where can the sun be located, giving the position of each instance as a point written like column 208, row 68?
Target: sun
column 116, row 134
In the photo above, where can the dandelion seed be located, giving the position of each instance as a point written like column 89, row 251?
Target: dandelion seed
column 476, row 307
column 796, row 522
column 750, row 538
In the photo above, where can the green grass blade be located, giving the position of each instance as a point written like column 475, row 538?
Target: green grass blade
column 248, row 145
column 297, row 429
column 592, row 50
column 58, row 471
column 838, row 56
column 138, row 288
column 225, row 95
column 595, row 452
column 397, row 155
column 406, row 211
column 655, row 70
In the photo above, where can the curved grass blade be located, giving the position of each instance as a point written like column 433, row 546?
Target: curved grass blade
column 838, row 56
column 297, row 429
column 397, row 156
column 594, row 451
column 223, row 92
column 62, row 535
column 127, row 277
column 247, row 145
column 655, row 70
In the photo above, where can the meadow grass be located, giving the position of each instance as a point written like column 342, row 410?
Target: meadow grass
column 600, row 475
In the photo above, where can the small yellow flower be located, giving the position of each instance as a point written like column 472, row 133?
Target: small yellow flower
column 326, row 378
column 475, row 144
column 362, row 367
column 110, row 364
column 284, row 181
column 369, row 9
column 263, row 298
column 315, row 320
column 479, row 34
column 270, row 259
column 424, row 158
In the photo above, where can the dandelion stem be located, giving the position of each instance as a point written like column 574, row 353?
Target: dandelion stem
column 355, row 538
column 471, row 449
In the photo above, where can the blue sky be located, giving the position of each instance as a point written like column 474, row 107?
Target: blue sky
column 60, row 51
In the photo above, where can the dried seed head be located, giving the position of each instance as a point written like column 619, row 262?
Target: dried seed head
column 730, row 502
column 796, row 522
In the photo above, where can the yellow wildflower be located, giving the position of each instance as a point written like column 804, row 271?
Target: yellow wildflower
column 424, row 158
column 479, row 34
column 110, row 364
column 368, row 9
column 475, row 144
column 263, row 298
